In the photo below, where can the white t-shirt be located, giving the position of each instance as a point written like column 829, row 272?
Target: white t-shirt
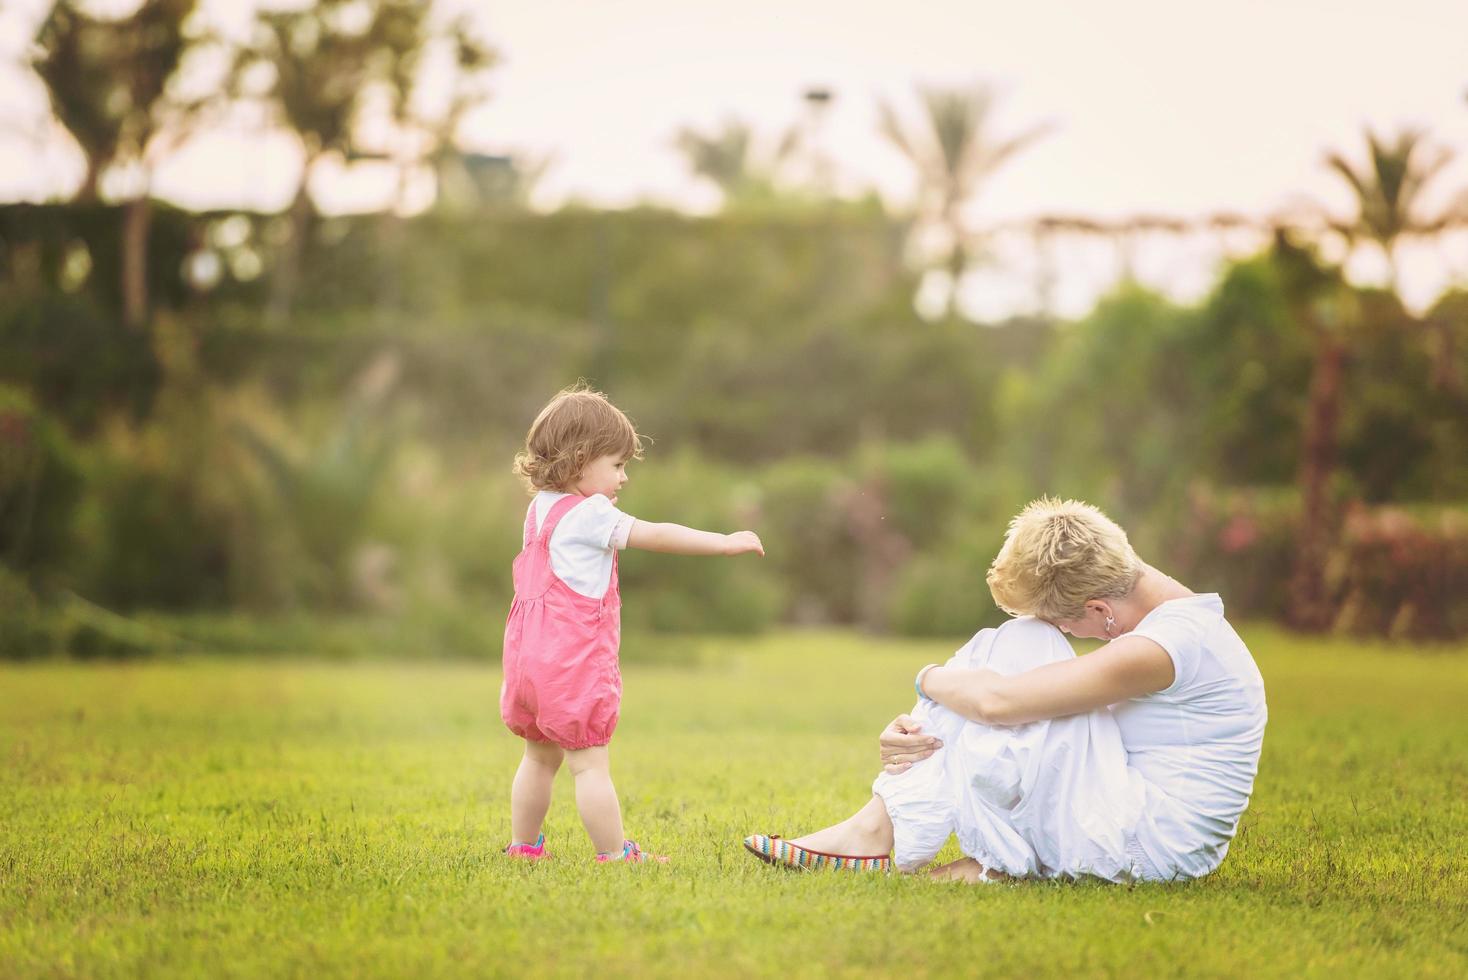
column 1196, row 742
column 584, row 542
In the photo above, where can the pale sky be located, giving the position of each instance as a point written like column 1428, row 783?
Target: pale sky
column 1157, row 106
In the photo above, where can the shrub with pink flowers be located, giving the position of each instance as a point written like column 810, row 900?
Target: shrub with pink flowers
column 1402, row 574
column 1391, row 572
column 1239, row 543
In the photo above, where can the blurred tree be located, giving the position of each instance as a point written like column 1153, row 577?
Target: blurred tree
column 1389, row 190
column 727, row 158
column 471, row 182
column 329, row 489
column 1247, row 362
column 1396, row 423
column 41, row 483
column 108, row 81
column 954, row 150
column 441, row 76
column 1449, row 317
column 1106, row 414
column 1329, row 311
column 335, row 66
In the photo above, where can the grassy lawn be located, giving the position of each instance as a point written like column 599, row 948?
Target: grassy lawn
column 213, row 817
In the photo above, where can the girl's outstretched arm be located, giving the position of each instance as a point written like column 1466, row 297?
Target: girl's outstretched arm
column 676, row 539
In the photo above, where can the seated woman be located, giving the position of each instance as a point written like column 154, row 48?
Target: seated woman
column 1134, row 762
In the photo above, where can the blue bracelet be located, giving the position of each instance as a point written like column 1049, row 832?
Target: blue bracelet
column 917, row 682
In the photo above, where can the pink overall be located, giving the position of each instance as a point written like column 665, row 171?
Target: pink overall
column 562, row 680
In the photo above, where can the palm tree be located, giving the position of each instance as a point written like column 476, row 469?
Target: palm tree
column 954, row 150
column 319, row 77
column 1389, row 189
column 727, row 158
column 107, row 82
column 324, row 69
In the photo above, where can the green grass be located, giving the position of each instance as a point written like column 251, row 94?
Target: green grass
column 212, row 817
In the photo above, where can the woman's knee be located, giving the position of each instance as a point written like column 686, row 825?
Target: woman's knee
column 1028, row 642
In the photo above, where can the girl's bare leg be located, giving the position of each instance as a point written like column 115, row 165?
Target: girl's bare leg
column 596, row 798
column 865, row 833
column 530, row 794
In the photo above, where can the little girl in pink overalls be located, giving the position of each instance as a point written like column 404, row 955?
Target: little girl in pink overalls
column 562, row 686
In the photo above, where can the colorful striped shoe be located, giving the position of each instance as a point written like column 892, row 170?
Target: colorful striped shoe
column 528, row 852
column 775, row 850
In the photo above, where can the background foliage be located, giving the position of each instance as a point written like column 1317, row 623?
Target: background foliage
column 356, row 458
column 217, row 426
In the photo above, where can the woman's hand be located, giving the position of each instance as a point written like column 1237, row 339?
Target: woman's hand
column 904, row 743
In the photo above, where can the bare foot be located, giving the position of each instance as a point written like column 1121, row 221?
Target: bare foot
column 967, row 870
column 867, row 831
column 832, row 840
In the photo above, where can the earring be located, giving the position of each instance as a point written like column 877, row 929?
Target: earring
column 1110, row 625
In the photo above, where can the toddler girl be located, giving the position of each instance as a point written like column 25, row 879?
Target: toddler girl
column 562, row 684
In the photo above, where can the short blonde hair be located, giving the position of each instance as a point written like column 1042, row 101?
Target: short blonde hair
column 1058, row 555
column 578, row 427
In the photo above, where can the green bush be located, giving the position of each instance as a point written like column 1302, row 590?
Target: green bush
column 171, row 519
column 944, row 592
column 160, row 543
column 325, row 492
column 68, row 626
column 924, row 485
column 41, row 484
column 422, row 632
column 1390, row 572
column 78, row 361
column 454, row 538
column 671, row 593
column 804, row 520
column 1402, row 576
column 1238, row 543
column 24, row 631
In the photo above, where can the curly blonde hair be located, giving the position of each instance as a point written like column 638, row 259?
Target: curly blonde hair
column 577, row 427
column 1059, row 554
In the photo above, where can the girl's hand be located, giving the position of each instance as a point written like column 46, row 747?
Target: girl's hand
column 743, row 541
column 904, row 743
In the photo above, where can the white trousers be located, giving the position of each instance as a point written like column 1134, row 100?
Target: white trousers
column 1046, row 799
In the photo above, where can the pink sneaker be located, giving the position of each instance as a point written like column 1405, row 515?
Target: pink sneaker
column 631, row 854
column 528, row 852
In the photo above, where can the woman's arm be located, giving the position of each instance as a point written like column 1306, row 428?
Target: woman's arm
column 1128, row 667
column 679, row 540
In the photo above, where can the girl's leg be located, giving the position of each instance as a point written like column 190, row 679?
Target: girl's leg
column 865, row 833
column 530, row 794
column 596, row 797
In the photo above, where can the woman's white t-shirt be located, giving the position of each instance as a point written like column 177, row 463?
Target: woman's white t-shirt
column 1196, row 742
column 584, row 542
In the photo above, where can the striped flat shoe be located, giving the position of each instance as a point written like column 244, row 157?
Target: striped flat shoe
column 776, row 850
